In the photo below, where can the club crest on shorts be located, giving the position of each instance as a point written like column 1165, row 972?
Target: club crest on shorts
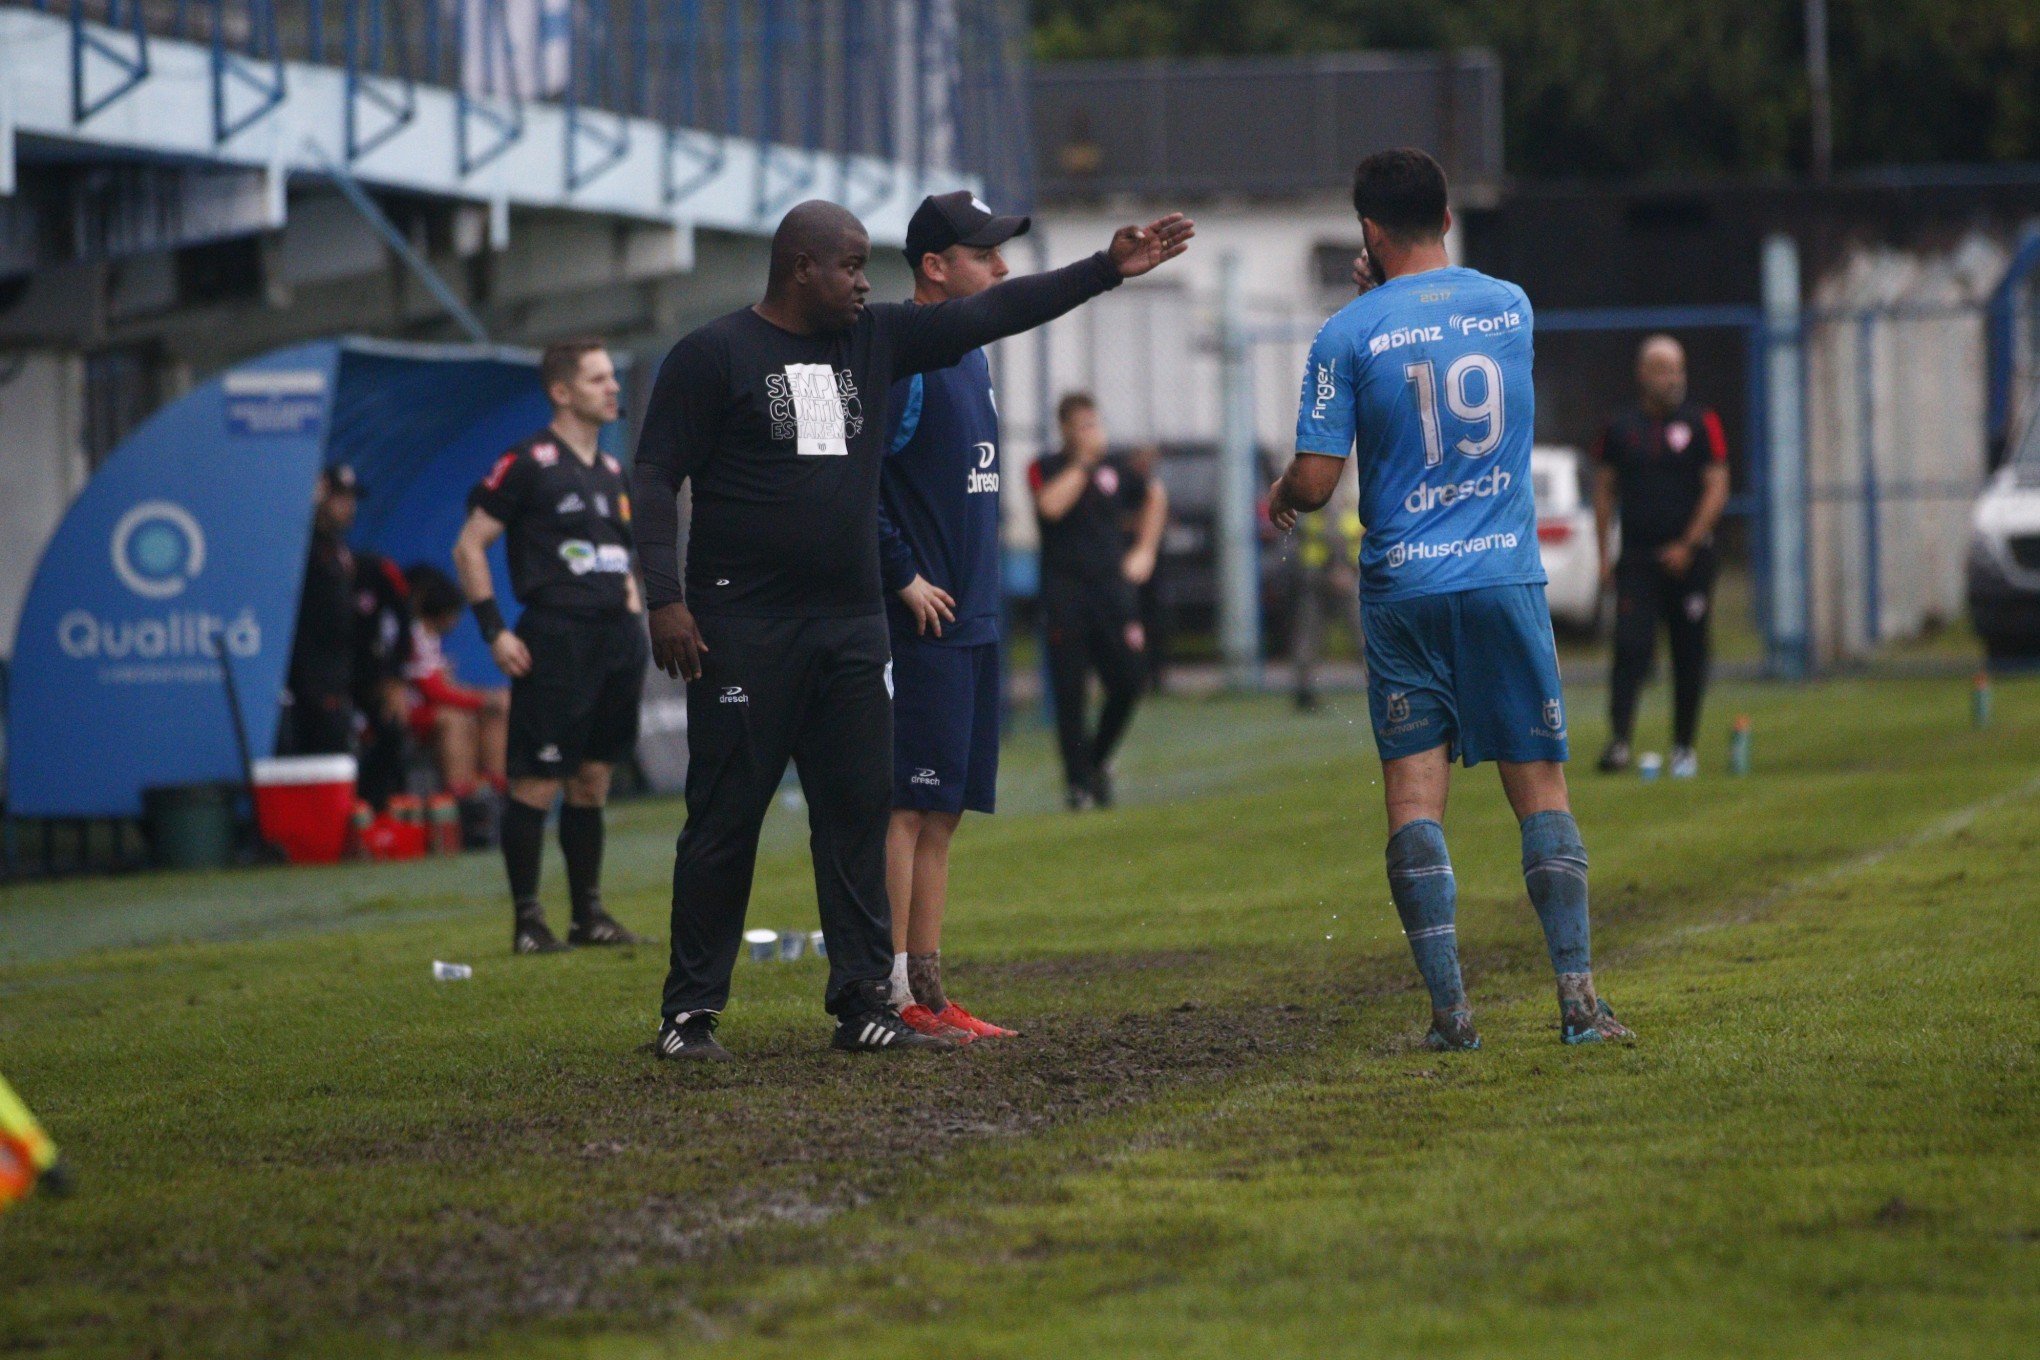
column 1398, row 708
column 1554, row 714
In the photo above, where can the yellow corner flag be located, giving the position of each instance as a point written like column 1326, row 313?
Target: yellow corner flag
column 26, row 1152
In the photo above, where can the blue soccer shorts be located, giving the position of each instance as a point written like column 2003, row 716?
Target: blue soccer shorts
column 1475, row 671
column 945, row 725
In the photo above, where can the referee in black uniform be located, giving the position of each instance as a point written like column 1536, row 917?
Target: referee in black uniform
column 576, row 661
column 778, row 414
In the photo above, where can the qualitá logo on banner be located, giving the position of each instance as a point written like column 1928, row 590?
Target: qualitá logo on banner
column 157, row 549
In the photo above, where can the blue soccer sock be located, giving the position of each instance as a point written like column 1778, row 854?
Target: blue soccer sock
column 1555, row 871
column 1420, row 880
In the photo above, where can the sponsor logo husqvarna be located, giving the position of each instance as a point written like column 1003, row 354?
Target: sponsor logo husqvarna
column 1400, row 554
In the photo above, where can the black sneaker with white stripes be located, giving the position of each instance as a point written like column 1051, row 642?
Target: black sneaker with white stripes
column 531, row 935
column 692, row 1036
column 601, row 928
column 872, row 1026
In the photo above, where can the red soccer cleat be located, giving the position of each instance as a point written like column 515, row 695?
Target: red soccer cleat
column 924, row 1021
column 959, row 1018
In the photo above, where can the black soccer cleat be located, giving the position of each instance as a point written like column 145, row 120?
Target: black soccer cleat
column 872, row 1026
column 1615, row 759
column 602, row 928
column 531, row 935
column 1102, row 795
column 691, row 1036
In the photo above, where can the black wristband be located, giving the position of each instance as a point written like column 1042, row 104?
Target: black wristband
column 490, row 618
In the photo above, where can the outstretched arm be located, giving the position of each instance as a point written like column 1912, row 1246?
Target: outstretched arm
column 939, row 334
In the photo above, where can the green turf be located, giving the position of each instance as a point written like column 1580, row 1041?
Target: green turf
column 1218, row 1138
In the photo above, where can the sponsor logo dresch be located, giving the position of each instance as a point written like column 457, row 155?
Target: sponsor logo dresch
column 1428, row 497
column 984, row 477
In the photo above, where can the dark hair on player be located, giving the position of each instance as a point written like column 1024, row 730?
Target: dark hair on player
column 432, row 591
column 1073, row 402
column 561, row 362
column 1403, row 192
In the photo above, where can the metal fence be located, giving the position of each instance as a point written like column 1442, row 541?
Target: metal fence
column 931, row 84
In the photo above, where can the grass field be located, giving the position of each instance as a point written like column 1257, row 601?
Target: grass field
column 1218, row 1137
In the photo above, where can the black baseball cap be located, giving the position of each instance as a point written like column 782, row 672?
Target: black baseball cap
column 958, row 219
column 341, row 477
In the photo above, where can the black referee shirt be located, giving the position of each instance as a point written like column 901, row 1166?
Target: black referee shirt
column 567, row 524
column 783, row 434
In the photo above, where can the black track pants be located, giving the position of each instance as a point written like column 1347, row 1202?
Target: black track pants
column 1089, row 628
column 1644, row 593
column 816, row 691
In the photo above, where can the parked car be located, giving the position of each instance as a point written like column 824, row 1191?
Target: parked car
column 2004, row 555
column 1565, row 542
column 1565, row 537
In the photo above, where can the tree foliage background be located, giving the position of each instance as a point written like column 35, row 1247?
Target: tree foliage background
column 1651, row 88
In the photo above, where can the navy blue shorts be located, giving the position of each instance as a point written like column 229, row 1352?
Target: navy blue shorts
column 945, row 725
column 1475, row 671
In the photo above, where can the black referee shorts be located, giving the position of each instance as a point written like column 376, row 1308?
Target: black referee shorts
column 579, row 702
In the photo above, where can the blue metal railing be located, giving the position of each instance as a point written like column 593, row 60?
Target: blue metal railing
column 848, row 77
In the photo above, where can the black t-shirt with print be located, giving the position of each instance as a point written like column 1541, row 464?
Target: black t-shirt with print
column 782, row 436
column 566, row 522
column 1660, row 468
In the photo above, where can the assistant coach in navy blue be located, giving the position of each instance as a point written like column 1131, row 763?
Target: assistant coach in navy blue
column 777, row 415
column 939, row 555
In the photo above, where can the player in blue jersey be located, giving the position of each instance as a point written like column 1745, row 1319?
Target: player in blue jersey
column 1426, row 380
column 939, row 557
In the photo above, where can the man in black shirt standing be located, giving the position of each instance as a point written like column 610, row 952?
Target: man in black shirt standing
column 1666, row 463
column 576, row 661
column 320, row 681
column 1090, row 579
column 778, row 415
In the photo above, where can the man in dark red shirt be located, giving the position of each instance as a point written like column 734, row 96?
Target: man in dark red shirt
column 1664, row 464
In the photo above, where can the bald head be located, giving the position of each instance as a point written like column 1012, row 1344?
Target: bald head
column 1661, row 373
column 817, row 229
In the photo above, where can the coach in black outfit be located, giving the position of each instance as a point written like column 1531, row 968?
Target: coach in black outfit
column 1090, row 582
column 576, row 660
column 1664, row 463
column 778, row 415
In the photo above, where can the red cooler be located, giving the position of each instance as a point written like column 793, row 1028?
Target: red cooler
column 303, row 803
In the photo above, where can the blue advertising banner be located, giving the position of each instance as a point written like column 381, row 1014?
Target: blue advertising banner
column 190, row 541
column 189, row 544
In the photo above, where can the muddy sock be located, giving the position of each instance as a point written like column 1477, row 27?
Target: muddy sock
column 522, row 832
column 1426, row 897
column 924, row 974
column 1555, row 872
column 902, row 990
column 581, row 844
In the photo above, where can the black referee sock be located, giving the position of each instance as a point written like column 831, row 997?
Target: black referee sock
column 581, row 843
column 523, row 836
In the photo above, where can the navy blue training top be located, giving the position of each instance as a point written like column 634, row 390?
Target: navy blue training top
column 939, row 498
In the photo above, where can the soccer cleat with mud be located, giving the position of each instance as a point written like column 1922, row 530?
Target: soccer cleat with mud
column 531, row 935
column 1579, row 1025
column 602, row 928
column 691, row 1036
column 1452, row 1032
column 921, row 1020
column 955, row 1015
column 870, row 1025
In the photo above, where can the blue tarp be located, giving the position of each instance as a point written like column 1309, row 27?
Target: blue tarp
column 193, row 535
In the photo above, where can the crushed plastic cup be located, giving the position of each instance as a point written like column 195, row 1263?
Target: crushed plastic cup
column 818, row 944
column 791, row 944
column 443, row 971
column 764, row 944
